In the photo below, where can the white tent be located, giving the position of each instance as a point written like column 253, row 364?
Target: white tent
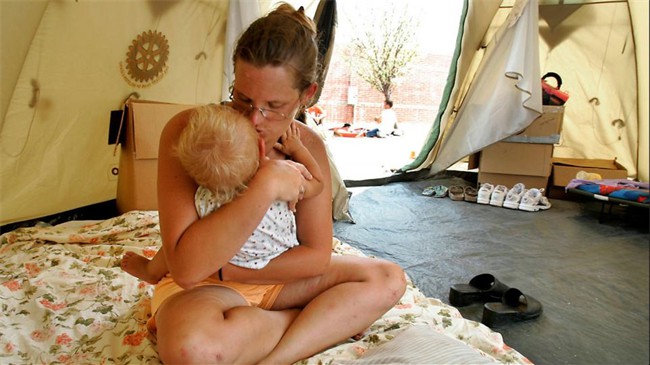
column 505, row 94
column 67, row 64
column 599, row 47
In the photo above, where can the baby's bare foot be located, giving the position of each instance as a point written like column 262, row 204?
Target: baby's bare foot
column 360, row 335
column 137, row 265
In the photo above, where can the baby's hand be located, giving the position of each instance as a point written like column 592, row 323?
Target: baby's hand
column 285, row 178
column 290, row 141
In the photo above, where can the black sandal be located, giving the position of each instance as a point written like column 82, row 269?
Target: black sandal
column 482, row 288
column 514, row 305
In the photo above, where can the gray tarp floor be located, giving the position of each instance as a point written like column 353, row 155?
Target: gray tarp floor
column 591, row 277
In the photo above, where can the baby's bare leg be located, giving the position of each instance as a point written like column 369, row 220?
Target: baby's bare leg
column 142, row 268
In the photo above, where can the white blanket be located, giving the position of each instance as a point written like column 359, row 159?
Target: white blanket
column 64, row 299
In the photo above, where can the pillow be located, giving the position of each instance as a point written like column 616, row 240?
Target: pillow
column 421, row 344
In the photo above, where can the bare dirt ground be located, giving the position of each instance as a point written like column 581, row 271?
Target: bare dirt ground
column 366, row 158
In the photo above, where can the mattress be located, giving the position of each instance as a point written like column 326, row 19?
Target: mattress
column 66, row 300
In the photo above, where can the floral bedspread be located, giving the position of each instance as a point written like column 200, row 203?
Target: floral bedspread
column 64, row 299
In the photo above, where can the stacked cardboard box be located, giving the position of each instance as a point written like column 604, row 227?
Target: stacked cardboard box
column 525, row 157
column 565, row 169
column 136, row 183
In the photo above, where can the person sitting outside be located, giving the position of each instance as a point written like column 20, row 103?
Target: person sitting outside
column 346, row 131
column 387, row 122
column 317, row 114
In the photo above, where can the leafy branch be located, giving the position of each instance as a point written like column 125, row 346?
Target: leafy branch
column 383, row 51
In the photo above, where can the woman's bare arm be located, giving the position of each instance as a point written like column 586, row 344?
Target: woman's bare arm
column 196, row 248
column 314, row 225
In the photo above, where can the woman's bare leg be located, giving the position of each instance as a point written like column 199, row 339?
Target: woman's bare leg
column 354, row 293
column 215, row 325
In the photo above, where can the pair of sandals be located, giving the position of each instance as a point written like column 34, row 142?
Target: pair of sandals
column 437, row 191
column 502, row 303
column 467, row 193
column 455, row 192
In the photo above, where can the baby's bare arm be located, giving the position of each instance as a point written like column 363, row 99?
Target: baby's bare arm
column 291, row 145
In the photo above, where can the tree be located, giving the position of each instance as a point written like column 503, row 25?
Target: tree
column 384, row 50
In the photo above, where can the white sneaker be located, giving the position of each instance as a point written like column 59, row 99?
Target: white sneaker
column 484, row 193
column 514, row 196
column 498, row 195
column 530, row 200
column 543, row 203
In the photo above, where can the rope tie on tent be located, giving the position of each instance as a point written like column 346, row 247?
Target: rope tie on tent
column 619, row 124
column 119, row 130
column 36, row 93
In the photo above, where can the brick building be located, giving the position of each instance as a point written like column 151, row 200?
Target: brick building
column 416, row 95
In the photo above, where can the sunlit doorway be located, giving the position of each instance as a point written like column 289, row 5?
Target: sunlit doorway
column 346, row 98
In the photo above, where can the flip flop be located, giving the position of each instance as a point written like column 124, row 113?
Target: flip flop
column 456, row 192
column 482, row 288
column 471, row 194
column 437, row 191
column 440, row 191
column 514, row 305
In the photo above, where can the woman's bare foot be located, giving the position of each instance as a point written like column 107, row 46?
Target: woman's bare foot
column 138, row 266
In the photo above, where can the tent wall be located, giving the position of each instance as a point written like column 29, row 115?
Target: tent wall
column 15, row 39
column 57, row 99
column 600, row 49
column 241, row 14
column 64, row 69
column 504, row 95
column 592, row 47
column 639, row 10
column 474, row 25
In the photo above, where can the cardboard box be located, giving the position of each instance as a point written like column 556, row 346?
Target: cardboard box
column 547, row 124
column 527, row 153
column 517, row 159
column 507, row 163
column 473, row 160
column 510, row 180
column 136, row 183
column 565, row 169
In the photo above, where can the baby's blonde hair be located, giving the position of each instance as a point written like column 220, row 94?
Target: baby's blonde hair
column 219, row 149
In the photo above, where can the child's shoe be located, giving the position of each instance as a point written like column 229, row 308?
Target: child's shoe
column 484, row 193
column 498, row 195
column 532, row 201
column 514, row 196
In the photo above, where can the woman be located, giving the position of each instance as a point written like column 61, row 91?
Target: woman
column 303, row 301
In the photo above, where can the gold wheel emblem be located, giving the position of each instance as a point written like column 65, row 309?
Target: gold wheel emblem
column 147, row 57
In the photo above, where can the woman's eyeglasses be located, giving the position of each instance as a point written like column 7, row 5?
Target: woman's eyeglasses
column 246, row 108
